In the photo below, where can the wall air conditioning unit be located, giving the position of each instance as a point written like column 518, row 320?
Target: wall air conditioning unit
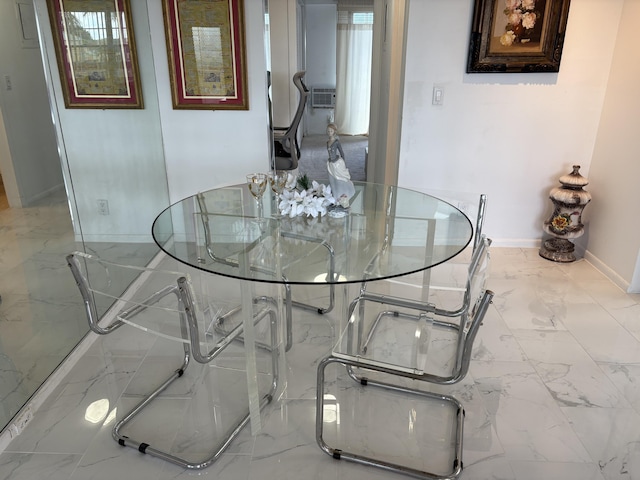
column 322, row 97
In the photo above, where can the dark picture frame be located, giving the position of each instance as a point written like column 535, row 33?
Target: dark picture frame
column 96, row 53
column 206, row 54
column 517, row 36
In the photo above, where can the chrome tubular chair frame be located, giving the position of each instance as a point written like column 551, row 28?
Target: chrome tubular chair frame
column 330, row 273
column 340, row 454
column 466, row 328
column 354, row 360
column 355, row 354
column 192, row 348
column 482, row 207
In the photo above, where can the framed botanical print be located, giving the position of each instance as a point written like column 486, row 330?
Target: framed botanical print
column 206, row 52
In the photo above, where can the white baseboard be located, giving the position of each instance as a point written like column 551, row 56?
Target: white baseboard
column 606, row 271
column 515, row 243
column 31, row 200
column 119, row 238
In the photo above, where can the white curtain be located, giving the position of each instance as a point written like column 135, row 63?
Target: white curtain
column 353, row 72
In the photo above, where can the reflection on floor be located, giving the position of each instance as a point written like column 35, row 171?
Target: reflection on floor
column 552, row 393
column 39, row 321
column 40, row 317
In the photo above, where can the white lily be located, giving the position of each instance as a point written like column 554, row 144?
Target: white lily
column 311, row 202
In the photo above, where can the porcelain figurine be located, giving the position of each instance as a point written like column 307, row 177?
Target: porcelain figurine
column 339, row 177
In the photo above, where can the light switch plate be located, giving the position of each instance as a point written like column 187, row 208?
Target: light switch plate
column 438, row 96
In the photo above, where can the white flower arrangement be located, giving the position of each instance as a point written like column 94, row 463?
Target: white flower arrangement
column 298, row 198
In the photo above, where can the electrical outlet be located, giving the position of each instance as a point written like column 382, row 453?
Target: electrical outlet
column 103, row 206
column 7, row 82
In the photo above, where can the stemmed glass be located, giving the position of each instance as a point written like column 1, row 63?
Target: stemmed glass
column 257, row 183
column 277, row 180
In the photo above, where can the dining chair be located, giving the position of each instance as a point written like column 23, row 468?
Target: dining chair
column 164, row 303
column 445, row 284
column 205, row 212
column 285, row 139
column 388, row 339
column 472, row 204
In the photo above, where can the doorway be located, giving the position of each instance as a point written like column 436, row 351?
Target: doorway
column 338, row 49
column 293, row 32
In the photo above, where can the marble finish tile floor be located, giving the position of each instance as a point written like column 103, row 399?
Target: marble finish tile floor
column 41, row 320
column 38, row 327
column 552, row 393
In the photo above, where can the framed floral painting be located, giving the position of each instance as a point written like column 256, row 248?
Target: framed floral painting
column 516, row 36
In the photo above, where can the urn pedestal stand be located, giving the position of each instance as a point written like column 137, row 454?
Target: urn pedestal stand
column 566, row 220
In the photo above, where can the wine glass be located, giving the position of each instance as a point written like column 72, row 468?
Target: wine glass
column 278, row 180
column 257, row 183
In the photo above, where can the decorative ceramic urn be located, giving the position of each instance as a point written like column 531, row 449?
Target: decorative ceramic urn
column 566, row 220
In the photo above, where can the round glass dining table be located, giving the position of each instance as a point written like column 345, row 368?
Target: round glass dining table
column 388, row 231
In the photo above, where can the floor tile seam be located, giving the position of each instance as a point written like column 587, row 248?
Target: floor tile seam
column 490, row 458
column 520, row 339
column 636, row 336
column 111, row 355
column 564, row 410
column 130, row 375
column 510, row 330
column 549, row 398
column 620, row 390
column 532, row 362
column 567, row 424
column 573, row 334
column 605, row 377
column 8, row 451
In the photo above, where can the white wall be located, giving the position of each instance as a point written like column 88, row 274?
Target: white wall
column 614, row 238
column 508, row 135
column 29, row 160
column 320, row 30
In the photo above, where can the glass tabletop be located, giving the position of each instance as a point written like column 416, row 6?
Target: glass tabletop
column 388, row 231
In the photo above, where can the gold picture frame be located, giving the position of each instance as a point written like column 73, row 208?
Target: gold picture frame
column 206, row 53
column 96, row 53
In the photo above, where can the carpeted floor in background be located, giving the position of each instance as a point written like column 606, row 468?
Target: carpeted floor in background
column 313, row 156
